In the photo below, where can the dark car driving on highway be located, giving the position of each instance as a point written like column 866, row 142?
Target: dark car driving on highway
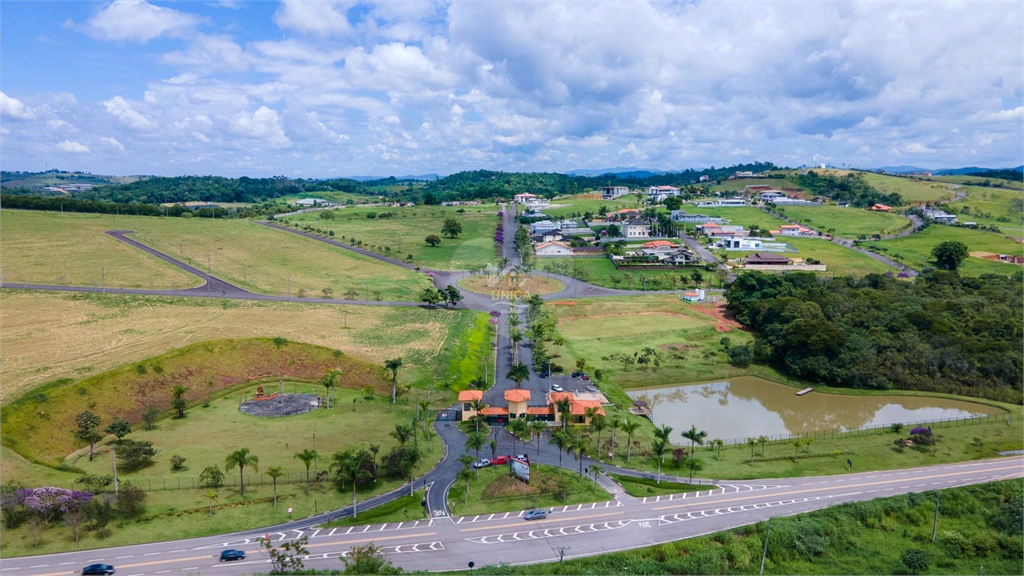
column 535, row 515
column 98, row 569
column 231, row 554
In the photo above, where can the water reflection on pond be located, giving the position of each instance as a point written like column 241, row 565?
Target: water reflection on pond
column 748, row 406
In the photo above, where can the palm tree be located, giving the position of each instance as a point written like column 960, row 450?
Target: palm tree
column 751, row 441
column 762, row 440
column 425, row 406
column 518, row 373
column 662, row 434
column 614, row 424
column 464, row 475
column 402, row 433
column 328, row 381
column 694, row 436
column 494, row 448
column 211, row 495
column 477, row 405
column 519, row 429
column 374, row 449
column 275, row 472
column 581, row 446
column 393, row 365
column 718, row 443
column 475, row 441
column 352, row 467
column 659, row 448
column 241, row 458
column 562, row 439
column 564, row 406
column 515, row 334
column 629, row 427
column 597, row 424
column 693, row 465
column 537, row 427
column 307, row 456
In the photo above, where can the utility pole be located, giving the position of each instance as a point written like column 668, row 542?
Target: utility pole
column 765, row 553
column 935, row 525
column 561, row 552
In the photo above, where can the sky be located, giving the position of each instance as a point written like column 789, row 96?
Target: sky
column 319, row 89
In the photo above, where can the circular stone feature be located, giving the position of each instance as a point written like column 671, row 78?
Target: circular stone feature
column 510, row 285
column 281, row 405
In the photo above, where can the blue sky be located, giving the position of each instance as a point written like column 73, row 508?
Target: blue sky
column 322, row 89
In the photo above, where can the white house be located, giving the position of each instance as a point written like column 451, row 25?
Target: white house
column 723, row 203
column 793, row 230
column 703, row 178
column 682, row 216
column 660, row 193
column 940, row 216
column 636, row 229
column 544, row 226
column 537, row 203
column 310, row 202
column 613, row 192
column 741, row 243
column 771, row 196
column 524, row 198
column 553, row 249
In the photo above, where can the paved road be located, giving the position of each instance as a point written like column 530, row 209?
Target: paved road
column 450, row 543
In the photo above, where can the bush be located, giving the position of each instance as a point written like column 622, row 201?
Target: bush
column 399, row 462
column 129, row 500
column 916, row 560
column 211, row 477
column 177, row 463
column 135, row 455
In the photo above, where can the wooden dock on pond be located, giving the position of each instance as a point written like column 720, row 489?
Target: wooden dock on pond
column 805, row 391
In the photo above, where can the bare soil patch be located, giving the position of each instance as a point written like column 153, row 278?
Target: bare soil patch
column 483, row 284
column 723, row 320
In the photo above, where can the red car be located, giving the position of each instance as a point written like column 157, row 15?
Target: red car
column 499, row 461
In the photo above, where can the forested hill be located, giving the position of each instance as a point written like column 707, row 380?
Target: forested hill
column 489, row 184
column 850, row 188
column 159, row 190
column 941, row 333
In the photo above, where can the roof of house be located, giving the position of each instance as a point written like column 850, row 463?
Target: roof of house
column 538, row 410
column 494, row 410
column 470, row 395
column 518, row 395
column 636, row 222
column 709, row 225
column 765, row 258
column 525, row 194
column 579, row 407
column 660, row 244
column 624, row 210
column 552, row 243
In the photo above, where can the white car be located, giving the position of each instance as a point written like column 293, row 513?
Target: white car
column 481, row 463
column 557, row 388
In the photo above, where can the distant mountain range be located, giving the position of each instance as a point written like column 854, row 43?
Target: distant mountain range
column 621, row 172
column 942, row 172
column 406, row 177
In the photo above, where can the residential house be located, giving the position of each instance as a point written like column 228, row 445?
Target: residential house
column 544, row 226
column 636, row 228
column 310, row 202
column 660, row 193
column 703, row 178
column 517, row 400
column 740, row 243
column 680, row 257
column 722, row 203
column 694, row 296
column 793, row 230
column 766, row 259
column 771, row 196
column 626, row 213
column 524, row 198
column 613, row 192
column 682, row 216
column 940, row 216
column 548, row 249
column 537, row 203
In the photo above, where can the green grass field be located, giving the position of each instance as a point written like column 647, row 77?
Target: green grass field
column 840, row 261
column 598, row 327
column 915, row 250
column 602, row 272
column 205, row 437
column 746, row 216
column 1019, row 185
column 912, row 190
column 493, row 490
column 847, row 222
column 739, row 184
column 643, row 487
column 404, row 233
column 71, row 249
column 567, row 205
column 992, row 207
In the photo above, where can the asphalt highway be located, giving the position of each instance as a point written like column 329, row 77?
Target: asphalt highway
column 450, row 543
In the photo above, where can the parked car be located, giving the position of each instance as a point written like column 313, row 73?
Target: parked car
column 535, row 514
column 584, row 376
column 523, row 457
column 482, row 463
column 231, row 554
column 498, row 461
column 100, row 569
column 575, row 375
column 557, row 388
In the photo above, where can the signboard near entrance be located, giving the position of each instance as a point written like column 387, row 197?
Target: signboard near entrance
column 520, row 469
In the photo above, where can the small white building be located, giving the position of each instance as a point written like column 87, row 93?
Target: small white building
column 771, row 196
column 548, row 249
column 723, row 203
column 940, row 216
column 660, row 193
column 544, row 226
column 613, row 192
column 310, row 202
column 524, row 198
column 793, row 230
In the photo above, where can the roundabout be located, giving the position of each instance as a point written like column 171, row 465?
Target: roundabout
column 509, row 285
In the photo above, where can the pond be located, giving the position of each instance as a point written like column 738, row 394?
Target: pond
column 749, row 406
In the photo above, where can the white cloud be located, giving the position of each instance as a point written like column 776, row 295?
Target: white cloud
column 122, row 110
column 112, row 142
column 13, row 108
column 137, row 21
column 263, row 124
column 918, row 148
column 69, row 146
column 319, row 17
column 209, row 54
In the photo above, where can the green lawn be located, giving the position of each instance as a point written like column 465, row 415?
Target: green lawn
column 1018, row 184
column 840, row 261
column 912, row 190
column 205, row 437
column 741, row 183
column 493, row 490
column 915, row 250
column 404, row 233
column 602, row 272
column 847, row 222
column 576, row 204
column 992, row 207
column 71, row 249
column 643, row 487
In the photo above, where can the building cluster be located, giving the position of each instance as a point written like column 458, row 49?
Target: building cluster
column 580, row 408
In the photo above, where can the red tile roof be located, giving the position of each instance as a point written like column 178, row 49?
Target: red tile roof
column 470, row 395
column 494, row 411
column 517, row 395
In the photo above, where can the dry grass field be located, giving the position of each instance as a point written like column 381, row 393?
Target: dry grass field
column 50, row 336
